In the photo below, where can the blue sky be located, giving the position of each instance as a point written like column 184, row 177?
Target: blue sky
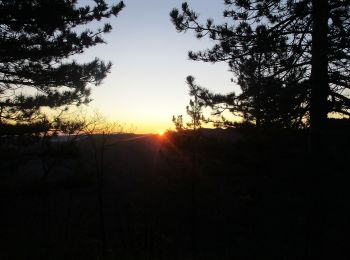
column 147, row 83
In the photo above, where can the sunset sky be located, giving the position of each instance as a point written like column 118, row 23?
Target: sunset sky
column 147, row 83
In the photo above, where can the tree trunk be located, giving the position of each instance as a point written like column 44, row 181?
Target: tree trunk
column 318, row 169
column 319, row 68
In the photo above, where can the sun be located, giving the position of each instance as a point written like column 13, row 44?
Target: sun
column 161, row 132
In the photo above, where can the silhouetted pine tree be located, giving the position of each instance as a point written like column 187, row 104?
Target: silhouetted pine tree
column 37, row 40
column 302, row 48
column 194, row 109
column 269, row 101
column 178, row 122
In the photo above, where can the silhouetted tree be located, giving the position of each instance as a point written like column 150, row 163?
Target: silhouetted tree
column 269, row 101
column 301, row 47
column 194, row 109
column 178, row 122
column 37, row 40
column 266, row 101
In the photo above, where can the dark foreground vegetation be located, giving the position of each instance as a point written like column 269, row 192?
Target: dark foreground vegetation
column 217, row 194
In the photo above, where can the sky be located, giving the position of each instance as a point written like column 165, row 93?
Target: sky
column 146, row 86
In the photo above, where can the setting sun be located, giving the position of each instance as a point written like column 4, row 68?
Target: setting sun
column 161, row 132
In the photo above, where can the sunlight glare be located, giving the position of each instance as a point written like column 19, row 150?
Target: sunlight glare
column 161, row 132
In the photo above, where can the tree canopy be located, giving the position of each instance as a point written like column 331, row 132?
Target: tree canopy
column 273, row 48
column 38, row 39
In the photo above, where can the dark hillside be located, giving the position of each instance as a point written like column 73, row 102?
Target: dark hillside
column 163, row 198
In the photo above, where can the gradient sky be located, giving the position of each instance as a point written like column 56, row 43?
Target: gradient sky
column 147, row 83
